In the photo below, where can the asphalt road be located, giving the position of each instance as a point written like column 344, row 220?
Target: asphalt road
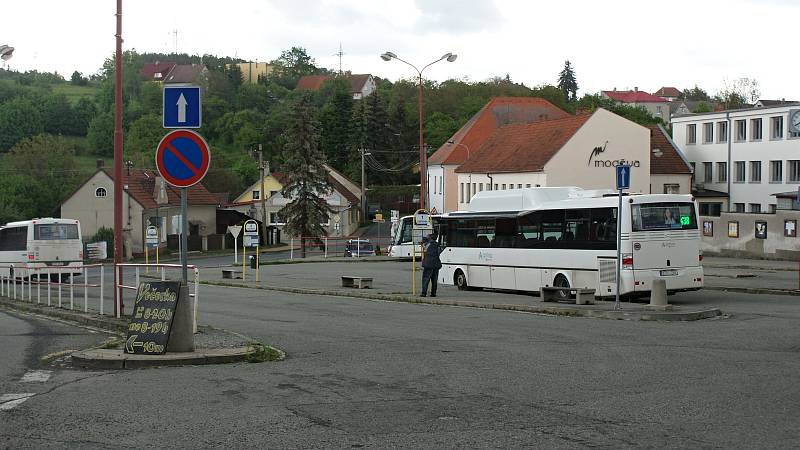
column 378, row 374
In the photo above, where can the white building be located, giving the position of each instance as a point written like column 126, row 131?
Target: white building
column 750, row 154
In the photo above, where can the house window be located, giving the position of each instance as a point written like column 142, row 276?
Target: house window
column 100, row 192
column 480, row 187
column 722, row 172
column 773, row 208
column 256, row 195
column 741, row 130
column 755, row 171
column 694, row 166
column 495, row 186
column 739, row 207
column 794, row 171
column 272, row 193
column 755, row 207
column 776, row 171
column 528, row 185
column 710, row 209
column 707, row 172
column 275, row 219
column 776, row 127
column 504, row 187
column 461, row 193
column 755, row 129
column 708, row 133
column 441, row 184
column 739, row 171
column 519, row 186
column 722, row 132
column 469, row 192
column 672, row 188
column 691, row 134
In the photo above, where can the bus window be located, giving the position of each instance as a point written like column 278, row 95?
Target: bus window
column 505, row 233
column 664, row 216
column 55, row 231
column 576, row 225
column 14, row 239
column 530, row 230
column 484, row 233
column 553, row 225
column 405, row 232
column 604, row 225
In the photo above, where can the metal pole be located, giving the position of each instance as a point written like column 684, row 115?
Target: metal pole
column 184, row 237
column 118, row 150
column 263, row 195
column 363, row 188
column 422, row 164
column 102, row 282
column 619, row 247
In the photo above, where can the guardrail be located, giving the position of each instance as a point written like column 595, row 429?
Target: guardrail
column 119, row 275
column 13, row 275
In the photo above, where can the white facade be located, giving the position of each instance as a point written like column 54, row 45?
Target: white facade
column 574, row 164
column 750, row 154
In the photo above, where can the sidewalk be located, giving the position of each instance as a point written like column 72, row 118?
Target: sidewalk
column 752, row 275
column 392, row 281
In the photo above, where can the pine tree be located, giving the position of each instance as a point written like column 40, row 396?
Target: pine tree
column 567, row 82
column 335, row 120
column 306, row 174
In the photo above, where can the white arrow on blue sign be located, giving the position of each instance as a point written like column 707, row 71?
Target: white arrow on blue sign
column 182, row 107
column 623, row 177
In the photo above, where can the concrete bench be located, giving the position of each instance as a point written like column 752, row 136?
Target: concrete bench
column 356, row 282
column 231, row 273
column 583, row 296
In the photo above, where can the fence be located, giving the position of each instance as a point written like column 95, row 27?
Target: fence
column 162, row 268
column 327, row 247
column 12, row 276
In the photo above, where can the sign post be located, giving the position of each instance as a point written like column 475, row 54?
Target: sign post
column 251, row 239
column 421, row 224
column 234, row 230
column 623, row 175
column 151, row 240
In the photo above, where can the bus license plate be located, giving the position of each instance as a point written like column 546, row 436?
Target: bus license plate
column 63, row 264
column 669, row 273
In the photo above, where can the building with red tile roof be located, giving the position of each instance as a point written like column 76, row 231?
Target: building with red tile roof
column 668, row 93
column 147, row 200
column 656, row 106
column 670, row 171
column 156, row 71
column 498, row 112
column 361, row 85
column 577, row 150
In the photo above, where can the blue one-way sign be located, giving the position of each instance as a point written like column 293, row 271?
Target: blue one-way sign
column 623, row 177
column 182, row 107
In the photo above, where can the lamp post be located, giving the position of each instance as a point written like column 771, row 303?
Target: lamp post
column 6, row 52
column 450, row 57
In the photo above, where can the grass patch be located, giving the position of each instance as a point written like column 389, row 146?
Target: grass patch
column 258, row 353
column 75, row 93
column 111, row 343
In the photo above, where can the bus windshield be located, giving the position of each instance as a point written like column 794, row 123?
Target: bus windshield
column 663, row 216
column 56, row 231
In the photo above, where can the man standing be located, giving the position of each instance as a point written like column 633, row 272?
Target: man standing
column 430, row 264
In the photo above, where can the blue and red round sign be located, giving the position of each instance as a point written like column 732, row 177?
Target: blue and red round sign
column 182, row 158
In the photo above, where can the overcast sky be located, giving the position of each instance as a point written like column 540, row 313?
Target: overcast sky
column 622, row 44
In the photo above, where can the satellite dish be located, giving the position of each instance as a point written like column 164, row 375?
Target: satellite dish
column 6, row 52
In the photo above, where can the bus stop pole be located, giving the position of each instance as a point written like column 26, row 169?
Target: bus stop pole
column 619, row 248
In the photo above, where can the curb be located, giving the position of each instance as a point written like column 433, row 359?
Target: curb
column 671, row 316
column 108, row 323
column 763, row 291
column 116, row 359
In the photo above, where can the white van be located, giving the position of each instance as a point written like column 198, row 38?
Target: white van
column 47, row 242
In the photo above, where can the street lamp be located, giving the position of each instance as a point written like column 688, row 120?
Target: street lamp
column 6, row 52
column 450, row 57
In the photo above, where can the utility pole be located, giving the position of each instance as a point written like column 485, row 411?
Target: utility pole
column 364, row 183
column 263, row 194
column 118, row 159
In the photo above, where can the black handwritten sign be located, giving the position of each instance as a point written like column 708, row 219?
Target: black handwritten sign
column 151, row 321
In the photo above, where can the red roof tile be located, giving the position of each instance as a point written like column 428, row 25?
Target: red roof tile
column 498, row 112
column 185, row 73
column 667, row 92
column 149, row 70
column 632, row 97
column 523, row 147
column 141, row 186
column 311, row 82
column 664, row 157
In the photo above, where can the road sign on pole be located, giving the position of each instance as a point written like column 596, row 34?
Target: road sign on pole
column 182, row 158
column 182, row 108
column 623, row 176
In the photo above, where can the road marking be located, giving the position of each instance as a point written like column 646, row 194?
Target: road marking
column 11, row 401
column 36, row 376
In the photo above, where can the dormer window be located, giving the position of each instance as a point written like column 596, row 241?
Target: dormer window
column 256, row 195
column 157, row 75
column 100, row 192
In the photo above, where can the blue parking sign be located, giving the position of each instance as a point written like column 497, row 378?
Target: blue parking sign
column 623, row 177
column 182, row 108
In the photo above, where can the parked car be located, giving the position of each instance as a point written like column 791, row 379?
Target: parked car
column 358, row 248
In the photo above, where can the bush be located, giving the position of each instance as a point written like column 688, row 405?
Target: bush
column 107, row 235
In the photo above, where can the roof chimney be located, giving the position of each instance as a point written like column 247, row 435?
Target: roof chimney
column 100, row 163
column 636, row 89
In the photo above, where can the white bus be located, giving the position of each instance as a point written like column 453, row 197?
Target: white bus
column 53, row 243
column 525, row 239
column 401, row 245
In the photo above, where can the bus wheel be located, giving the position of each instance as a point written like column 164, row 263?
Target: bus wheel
column 561, row 282
column 461, row 281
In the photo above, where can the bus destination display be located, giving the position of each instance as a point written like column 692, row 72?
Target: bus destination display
column 151, row 321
